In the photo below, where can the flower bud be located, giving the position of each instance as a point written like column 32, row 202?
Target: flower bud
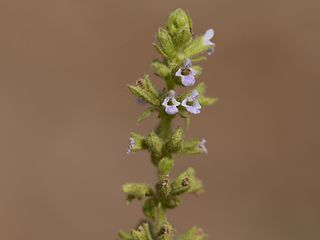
column 179, row 27
column 178, row 19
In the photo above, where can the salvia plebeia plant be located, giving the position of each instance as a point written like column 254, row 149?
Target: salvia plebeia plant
column 179, row 50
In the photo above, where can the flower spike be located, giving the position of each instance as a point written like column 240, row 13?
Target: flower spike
column 179, row 48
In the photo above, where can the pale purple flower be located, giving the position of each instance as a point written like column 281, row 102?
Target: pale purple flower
column 191, row 103
column 207, row 37
column 202, row 146
column 207, row 40
column 187, row 73
column 132, row 143
column 170, row 103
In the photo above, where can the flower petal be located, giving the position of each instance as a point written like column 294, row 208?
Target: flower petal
column 188, row 80
column 171, row 110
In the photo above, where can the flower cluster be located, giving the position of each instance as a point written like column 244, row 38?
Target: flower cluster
column 180, row 50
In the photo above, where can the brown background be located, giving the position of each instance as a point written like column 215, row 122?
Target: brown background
column 66, row 114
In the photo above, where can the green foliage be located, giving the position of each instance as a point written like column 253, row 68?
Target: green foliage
column 145, row 91
column 165, row 165
column 186, row 182
column 166, row 43
column 161, row 69
column 142, row 233
column 147, row 113
column 178, row 49
column 154, row 143
column 191, row 147
column 136, row 190
column 203, row 100
column 176, row 140
column 139, row 142
column 193, row 233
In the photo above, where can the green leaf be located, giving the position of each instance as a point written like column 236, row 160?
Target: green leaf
column 149, row 86
column 186, row 182
column 159, row 50
column 144, row 94
column 198, row 59
column 191, row 147
column 196, row 47
column 160, row 69
column 147, row 113
column 142, row 233
column 207, row 101
column 165, row 165
column 154, row 210
column 182, row 37
column 154, row 143
column 136, row 191
column 194, row 233
column 181, row 184
column 149, row 208
column 198, row 69
column 166, row 43
column 166, row 231
column 201, row 88
column 138, row 142
column 203, row 100
column 171, row 202
column 175, row 142
column 124, row 236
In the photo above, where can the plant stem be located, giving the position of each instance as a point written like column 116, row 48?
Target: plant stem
column 164, row 128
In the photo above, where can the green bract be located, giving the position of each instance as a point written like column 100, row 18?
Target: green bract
column 178, row 49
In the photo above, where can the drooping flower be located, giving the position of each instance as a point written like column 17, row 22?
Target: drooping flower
column 202, row 145
column 170, row 103
column 207, row 37
column 187, row 73
column 191, row 103
column 132, row 143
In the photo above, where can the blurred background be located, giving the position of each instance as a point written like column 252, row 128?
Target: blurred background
column 66, row 115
